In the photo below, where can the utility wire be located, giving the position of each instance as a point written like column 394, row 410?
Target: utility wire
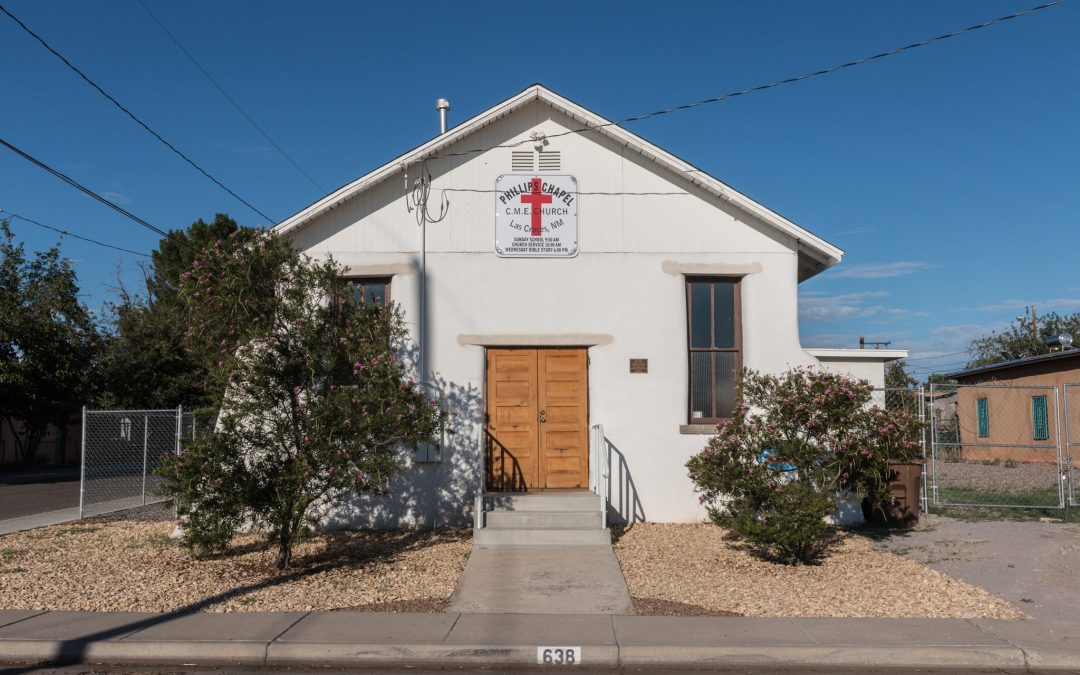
column 228, row 98
column 131, row 114
column 85, row 190
column 770, row 85
column 71, row 234
column 939, row 356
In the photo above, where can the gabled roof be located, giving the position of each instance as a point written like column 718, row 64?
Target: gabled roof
column 816, row 254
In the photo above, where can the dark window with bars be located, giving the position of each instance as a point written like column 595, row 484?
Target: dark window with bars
column 1040, row 426
column 982, row 411
column 715, row 346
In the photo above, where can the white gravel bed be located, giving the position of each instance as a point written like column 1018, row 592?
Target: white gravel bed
column 114, row 565
column 700, row 565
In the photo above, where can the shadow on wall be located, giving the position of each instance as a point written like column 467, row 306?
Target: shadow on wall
column 429, row 494
column 625, row 507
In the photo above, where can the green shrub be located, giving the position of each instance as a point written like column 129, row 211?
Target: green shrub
column 796, row 442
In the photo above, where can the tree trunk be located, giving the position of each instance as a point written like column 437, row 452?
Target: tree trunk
column 284, row 556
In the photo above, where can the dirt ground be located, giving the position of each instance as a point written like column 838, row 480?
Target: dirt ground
column 1034, row 565
column 673, row 568
column 131, row 564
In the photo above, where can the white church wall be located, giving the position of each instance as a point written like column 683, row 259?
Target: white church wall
column 623, row 297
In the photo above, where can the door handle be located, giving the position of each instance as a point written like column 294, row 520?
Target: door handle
column 542, row 417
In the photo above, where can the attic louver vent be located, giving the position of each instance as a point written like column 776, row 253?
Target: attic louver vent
column 550, row 161
column 521, row 160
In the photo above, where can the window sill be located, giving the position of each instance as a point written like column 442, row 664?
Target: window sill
column 698, row 429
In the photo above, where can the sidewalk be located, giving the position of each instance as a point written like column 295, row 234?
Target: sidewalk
column 342, row 639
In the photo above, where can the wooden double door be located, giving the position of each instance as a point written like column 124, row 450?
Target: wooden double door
column 537, row 434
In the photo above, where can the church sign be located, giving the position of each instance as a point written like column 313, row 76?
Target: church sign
column 536, row 216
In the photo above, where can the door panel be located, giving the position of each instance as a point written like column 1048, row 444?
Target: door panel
column 511, row 442
column 537, row 403
column 563, row 401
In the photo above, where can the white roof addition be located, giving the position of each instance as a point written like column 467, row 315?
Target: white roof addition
column 815, row 253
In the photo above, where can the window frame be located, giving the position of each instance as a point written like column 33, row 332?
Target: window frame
column 386, row 280
column 1045, row 429
column 982, row 414
column 736, row 282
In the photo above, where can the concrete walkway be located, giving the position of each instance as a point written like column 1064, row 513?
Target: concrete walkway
column 343, row 639
column 542, row 580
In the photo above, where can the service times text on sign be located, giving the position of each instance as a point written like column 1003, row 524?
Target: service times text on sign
column 536, row 216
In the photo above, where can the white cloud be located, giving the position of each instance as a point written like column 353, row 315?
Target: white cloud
column 881, row 270
column 819, row 306
column 118, row 198
column 1055, row 304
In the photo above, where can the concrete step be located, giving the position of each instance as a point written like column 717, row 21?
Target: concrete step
column 546, row 520
column 491, row 537
column 542, row 501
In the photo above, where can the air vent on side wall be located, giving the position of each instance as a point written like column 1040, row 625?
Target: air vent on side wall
column 521, row 160
column 550, row 161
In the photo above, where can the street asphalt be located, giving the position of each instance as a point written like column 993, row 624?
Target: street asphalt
column 343, row 640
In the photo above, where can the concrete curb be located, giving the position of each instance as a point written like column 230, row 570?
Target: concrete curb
column 258, row 654
column 345, row 640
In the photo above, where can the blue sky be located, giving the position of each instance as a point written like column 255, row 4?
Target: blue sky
column 948, row 174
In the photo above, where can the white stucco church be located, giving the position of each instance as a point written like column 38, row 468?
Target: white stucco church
column 582, row 306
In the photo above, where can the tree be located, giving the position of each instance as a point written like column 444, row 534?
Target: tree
column 48, row 343
column 146, row 363
column 1020, row 339
column 900, row 385
column 316, row 402
column 794, row 443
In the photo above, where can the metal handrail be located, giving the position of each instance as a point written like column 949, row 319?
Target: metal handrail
column 478, row 510
column 599, row 461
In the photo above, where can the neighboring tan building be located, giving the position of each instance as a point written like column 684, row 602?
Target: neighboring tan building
column 1013, row 411
column 575, row 280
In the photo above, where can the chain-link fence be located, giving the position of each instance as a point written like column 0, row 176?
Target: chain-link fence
column 914, row 403
column 1070, row 394
column 122, row 449
column 995, row 446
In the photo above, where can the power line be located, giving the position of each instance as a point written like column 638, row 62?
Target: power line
column 131, row 114
column 939, row 356
column 227, row 97
column 770, row 85
column 608, row 194
column 71, row 234
column 81, row 188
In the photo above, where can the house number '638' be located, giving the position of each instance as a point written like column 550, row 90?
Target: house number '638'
column 558, row 656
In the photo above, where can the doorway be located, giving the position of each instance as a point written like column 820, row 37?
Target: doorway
column 537, row 419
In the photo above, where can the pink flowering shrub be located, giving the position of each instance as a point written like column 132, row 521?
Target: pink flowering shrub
column 315, row 402
column 795, row 442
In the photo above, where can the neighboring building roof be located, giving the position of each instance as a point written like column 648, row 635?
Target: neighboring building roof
column 858, row 354
column 816, row 254
column 1066, row 357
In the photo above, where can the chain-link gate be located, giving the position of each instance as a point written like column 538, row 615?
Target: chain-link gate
column 913, row 402
column 122, row 449
column 995, row 446
column 1071, row 407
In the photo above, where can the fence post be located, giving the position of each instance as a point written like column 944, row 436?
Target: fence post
column 179, row 431
column 145, row 435
column 82, row 466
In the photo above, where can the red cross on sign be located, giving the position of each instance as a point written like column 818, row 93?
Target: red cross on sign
column 534, row 199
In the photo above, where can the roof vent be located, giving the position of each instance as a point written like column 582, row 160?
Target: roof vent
column 550, row 160
column 1059, row 342
column 442, row 105
column 522, row 160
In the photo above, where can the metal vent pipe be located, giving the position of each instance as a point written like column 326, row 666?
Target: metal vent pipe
column 442, row 105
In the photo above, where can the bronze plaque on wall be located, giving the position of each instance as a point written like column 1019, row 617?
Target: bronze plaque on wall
column 639, row 365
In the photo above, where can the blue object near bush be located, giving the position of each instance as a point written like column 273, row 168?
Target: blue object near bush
column 768, row 454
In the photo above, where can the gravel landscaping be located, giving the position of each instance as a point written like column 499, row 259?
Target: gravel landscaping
column 702, row 566
column 110, row 564
column 1021, row 479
